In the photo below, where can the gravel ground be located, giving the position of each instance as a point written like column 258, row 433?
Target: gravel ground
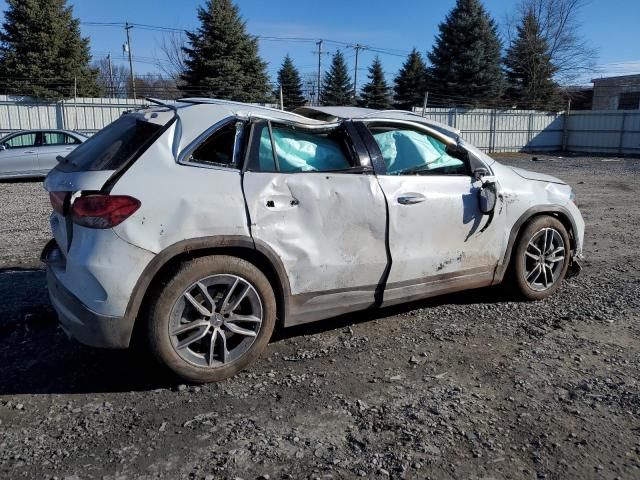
column 470, row 385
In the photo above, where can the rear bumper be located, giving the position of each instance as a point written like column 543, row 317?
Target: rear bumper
column 77, row 320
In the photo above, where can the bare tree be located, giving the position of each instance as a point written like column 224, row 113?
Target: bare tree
column 559, row 21
column 113, row 80
column 172, row 55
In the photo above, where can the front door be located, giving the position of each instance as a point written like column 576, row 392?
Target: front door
column 438, row 238
column 20, row 155
column 310, row 201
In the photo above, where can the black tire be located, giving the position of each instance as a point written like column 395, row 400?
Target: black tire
column 519, row 259
column 168, row 296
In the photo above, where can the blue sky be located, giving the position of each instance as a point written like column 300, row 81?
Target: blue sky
column 610, row 25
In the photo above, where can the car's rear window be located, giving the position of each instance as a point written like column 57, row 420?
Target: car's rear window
column 113, row 146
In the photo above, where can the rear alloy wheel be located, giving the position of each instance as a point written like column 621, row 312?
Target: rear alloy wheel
column 541, row 258
column 212, row 319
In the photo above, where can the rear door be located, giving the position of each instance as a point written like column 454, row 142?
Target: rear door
column 312, row 201
column 20, row 155
column 52, row 145
column 438, row 237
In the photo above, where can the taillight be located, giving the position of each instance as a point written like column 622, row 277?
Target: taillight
column 103, row 211
column 57, row 201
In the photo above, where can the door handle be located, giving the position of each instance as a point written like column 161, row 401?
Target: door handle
column 411, row 199
column 282, row 202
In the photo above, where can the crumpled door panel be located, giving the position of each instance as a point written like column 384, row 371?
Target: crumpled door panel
column 327, row 228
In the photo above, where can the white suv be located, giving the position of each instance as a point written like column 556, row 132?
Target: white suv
column 197, row 226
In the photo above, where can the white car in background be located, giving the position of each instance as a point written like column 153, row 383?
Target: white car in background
column 33, row 153
column 198, row 226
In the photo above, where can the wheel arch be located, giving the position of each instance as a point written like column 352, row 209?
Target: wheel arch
column 169, row 260
column 556, row 211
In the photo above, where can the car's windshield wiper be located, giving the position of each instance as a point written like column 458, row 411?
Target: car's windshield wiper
column 62, row 159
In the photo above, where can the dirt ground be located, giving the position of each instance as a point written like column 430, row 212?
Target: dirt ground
column 470, row 385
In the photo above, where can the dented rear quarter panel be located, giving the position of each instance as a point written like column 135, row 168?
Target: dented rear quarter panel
column 179, row 202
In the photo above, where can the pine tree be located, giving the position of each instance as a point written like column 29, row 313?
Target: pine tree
column 410, row 83
column 529, row 69
column 375, row 93
column 466, row 59
column 289, row 81
column 222, row 59
column 337, row 88
column 42, row 51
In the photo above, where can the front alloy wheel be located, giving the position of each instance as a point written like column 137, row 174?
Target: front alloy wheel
column 544, row 259
column 541, row 257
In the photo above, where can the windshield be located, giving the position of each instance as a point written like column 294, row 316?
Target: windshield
column 113, row 146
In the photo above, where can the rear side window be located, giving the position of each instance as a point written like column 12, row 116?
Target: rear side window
column 218, row 148
column 58, row 138
column 113, row 146
column 298, row 150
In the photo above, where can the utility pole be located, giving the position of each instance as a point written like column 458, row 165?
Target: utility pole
column 319, row 44
column 133, row 79
column 357, row 47
column 281, row 100
column 424, row 105
column 111, row 86
column 75, row 102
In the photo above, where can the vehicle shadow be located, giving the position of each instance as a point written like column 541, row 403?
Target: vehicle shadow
column 38, row 358
column 487, row 295
column 22, row 180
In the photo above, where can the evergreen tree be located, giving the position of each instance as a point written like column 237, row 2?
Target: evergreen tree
column 375, row 93
column 222, row 59
column 410, row 83
column 337, row 88
column 529, row 68
column 465, row 60
column 289, row 81
column 42, row 51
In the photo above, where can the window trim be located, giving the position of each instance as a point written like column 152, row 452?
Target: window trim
column 422, row 129
column 185, row 154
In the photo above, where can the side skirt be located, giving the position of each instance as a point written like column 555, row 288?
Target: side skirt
column 311, row 307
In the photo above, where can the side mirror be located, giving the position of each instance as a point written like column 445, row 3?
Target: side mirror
column 488, row 197
column 478, row 173
column 3, row 147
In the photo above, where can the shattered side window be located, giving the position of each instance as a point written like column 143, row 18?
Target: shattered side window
column 408, row 152
column 299, row 151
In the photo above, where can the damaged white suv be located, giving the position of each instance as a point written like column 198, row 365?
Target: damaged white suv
column 197, row 226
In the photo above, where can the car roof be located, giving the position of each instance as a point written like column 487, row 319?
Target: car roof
column 38, row 130
column 55, row 130
column 198, row 113
column 247, row 109
column 359, row 113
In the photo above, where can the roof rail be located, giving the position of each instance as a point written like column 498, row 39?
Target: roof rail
column 406, row 112
column 214, row 101
column 163, row 103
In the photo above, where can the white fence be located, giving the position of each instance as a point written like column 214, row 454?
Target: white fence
column 602, row 131
column 606, row 131
column 86, row 115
